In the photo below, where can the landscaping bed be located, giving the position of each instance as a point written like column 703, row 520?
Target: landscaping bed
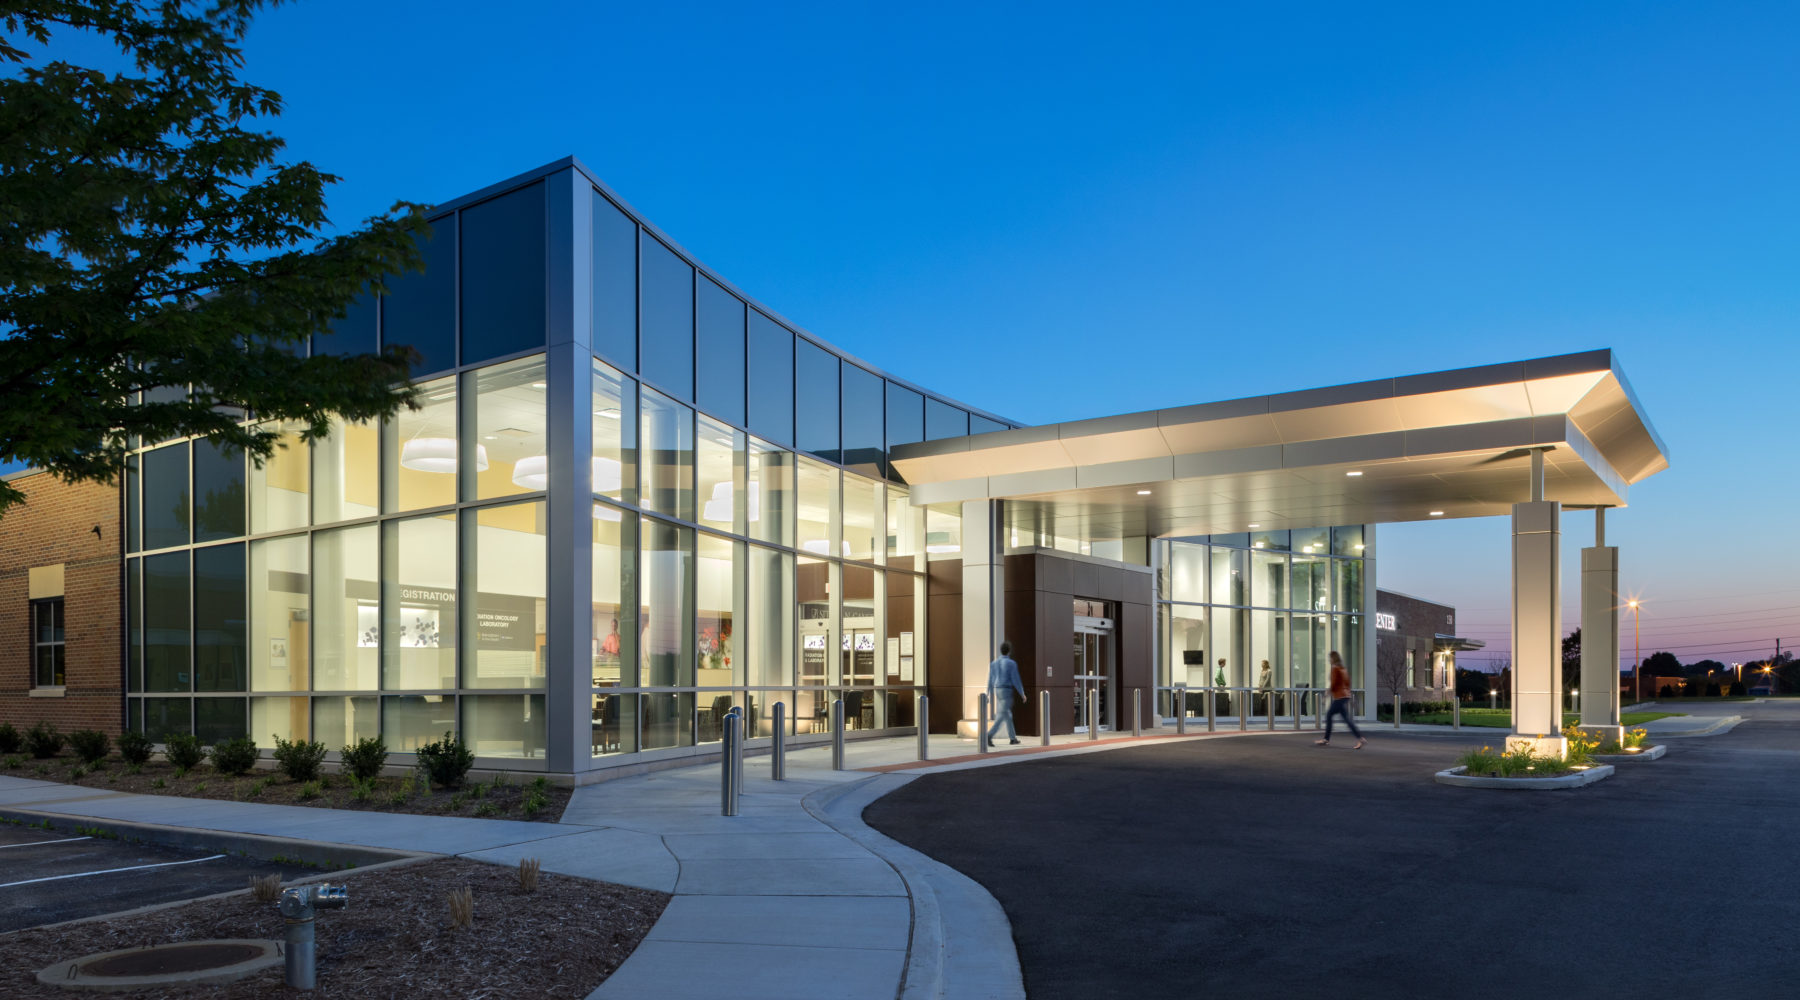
column 503, row 797
column 394, row 940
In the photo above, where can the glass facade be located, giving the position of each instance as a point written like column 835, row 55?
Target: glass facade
column 744, row 542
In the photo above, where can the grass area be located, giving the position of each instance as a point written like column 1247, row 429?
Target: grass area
column 1501, row 718
column 1639, row 718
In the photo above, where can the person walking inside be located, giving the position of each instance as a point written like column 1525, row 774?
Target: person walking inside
column 1340, row 702
column 1003, row 683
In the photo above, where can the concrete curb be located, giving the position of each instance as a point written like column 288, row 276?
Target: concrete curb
column 323, row 854
column 1456, row 776
column 1719, row 724
column 1626, row 758
column 961, row 943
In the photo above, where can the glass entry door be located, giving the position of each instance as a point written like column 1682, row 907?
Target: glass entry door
column 1092, row 665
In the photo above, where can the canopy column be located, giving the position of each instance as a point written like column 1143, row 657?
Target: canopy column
column 1600, row 636
column 983, row 603
column 1537, row 626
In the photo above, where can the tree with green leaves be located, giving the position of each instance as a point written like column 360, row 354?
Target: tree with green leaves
column 160, row 270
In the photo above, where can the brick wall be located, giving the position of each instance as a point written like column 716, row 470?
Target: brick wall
column 56, row 525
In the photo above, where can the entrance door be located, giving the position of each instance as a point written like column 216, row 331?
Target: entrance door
column 1092, row 664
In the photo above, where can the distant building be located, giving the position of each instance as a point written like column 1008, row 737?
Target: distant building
column 1415, row 648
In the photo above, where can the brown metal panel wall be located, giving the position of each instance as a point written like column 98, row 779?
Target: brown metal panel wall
column 943, row 613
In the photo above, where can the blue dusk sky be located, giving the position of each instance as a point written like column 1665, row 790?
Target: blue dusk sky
column 1062, row 211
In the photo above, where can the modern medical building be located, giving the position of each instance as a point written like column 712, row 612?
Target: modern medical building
column 635, row 497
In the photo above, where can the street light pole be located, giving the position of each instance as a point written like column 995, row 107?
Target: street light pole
column 1637, row 652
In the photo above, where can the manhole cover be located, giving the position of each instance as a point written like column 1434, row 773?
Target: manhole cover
column 165, row 964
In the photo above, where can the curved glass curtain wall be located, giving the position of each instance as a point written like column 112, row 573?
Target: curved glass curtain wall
column 395, row 578
column 1231, row 603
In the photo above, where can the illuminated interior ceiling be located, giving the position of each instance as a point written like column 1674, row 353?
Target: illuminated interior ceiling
column 1414, row 448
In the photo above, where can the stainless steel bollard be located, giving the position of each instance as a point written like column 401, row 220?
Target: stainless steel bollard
column 1269, row 706
column 1212, row 704
column 837, row 734
column 1243, row 708
column 924, row 717
column 1044, row 718
column 1137, row 712
column 1294, row 703
column 730, row 777
column 1318, row 709
column 981, row 722
column 1093, row 713
column 1181, row 709
column 778, row 745
column 299, row 905
column 1455, row 711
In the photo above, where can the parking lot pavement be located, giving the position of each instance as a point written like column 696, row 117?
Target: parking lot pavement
column 48, row 876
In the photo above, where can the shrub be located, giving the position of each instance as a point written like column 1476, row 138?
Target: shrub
column 266, row 889
column 234, row 756
column 183, row 750
column 1634, row 738
column 43, row 741
column 445, row 762
column 1580, row 745
column 299, row 759
column 309, row 790
column 134, row 747
column 535, row 801
column 12, row 762
column 10, row 740
column 1480, row 763
column 91, row 745
column 528, row 874
column 365, row 757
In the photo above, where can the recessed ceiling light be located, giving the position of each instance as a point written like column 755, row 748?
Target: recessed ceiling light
column 1143, row 493
column 537, row 385
column 1256, row 526
column 1437, row 513
column 1354, row 472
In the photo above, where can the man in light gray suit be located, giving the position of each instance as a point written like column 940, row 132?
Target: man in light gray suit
column 1003, row 683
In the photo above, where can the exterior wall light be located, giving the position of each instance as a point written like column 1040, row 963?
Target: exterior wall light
column 436, row 454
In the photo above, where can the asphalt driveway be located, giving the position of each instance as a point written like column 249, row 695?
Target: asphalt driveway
column 1264, row 866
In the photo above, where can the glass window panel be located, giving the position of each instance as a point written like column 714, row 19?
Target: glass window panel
column 504, row 634
column 1231, row 647
column 1268, row 579
column 615, row 284
column 218, row 492
column 614, row 597
column 504, row 725
column 668, row 456
column 134, row 507
column 419, row 594
column 1187, row 572
column 286, row 718
column 354, row 332
column 944, row 421
column 769, row 643
column 719, row 606
column 1272, row 541
column 1348, row 633
column 615, row 723
column 716, row 447
column 163, row 716
column 410, row 720
column 346, row 610
column 862, row 506
column 420, row 308
column 134, row 626
column 503, row 275
column 1347, row 541
column 279, row 613
column 166, row 653
column 979, row 424
column 1269, row 645
column 667, row 340
column 857, row 629
column 346, row 472
column 862, row 421
column 770, row 379
column 279, row 488
column 219, row 619
column 510, row 418
column 1311, row 541
column 816, row 400
column 1229, row 585
column 338, row 722
column 668, row 720
column 615, row 472
column 1347, row 584
column 134, row 714
column 1188, row 645
column 665, row 608
column 769, row 472
column 219, row 719
column 943, row 532
column 905, row 525
column 818, row 513
column 165, row 486
column 719, row 333
column 905, row 415
column 1311, row 583
column 812, row 600
column 424, row 444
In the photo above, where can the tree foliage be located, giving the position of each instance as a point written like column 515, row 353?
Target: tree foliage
column 160, row 270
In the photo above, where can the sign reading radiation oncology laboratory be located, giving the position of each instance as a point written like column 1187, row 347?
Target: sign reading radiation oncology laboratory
column 1385, row 622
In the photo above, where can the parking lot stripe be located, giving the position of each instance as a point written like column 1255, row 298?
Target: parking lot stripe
column 40, row 843
column 109, row 871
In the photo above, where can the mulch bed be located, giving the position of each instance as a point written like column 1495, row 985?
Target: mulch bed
column 505, row 797
column 394, row 940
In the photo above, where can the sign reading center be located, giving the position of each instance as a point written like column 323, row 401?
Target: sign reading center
column 1385, row 623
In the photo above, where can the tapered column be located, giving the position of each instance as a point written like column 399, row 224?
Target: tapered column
column 1600, row 635
column 1537, row 624
column 983, row 603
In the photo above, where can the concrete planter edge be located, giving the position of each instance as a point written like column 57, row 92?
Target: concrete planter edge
column 1457, row 776
column 1622, row 758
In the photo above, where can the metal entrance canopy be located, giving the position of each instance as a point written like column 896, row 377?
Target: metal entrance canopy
column 1413, row 448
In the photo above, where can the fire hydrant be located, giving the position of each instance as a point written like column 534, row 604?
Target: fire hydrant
column 299, row 904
